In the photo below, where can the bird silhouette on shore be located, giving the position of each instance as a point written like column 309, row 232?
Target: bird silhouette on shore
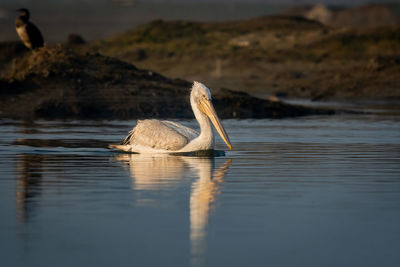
column 27, row 31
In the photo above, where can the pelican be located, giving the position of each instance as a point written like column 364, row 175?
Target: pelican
column 154, row 136
column 27, row 31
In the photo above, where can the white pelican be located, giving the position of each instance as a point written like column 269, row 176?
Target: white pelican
column 154, row 136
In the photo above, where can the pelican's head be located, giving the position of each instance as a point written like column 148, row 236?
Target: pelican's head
column 201, row 97
column 23, row 13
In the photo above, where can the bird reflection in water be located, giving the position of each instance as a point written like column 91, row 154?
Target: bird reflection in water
column 202, row 195
column 29, row 184
column 153, row 172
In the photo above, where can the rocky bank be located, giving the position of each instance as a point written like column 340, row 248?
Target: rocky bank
column 61, row 84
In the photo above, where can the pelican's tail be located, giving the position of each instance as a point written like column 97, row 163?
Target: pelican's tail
column 127, row 139
column 119, row 147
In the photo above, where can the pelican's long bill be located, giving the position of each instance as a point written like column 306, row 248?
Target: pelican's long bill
column 207, row 108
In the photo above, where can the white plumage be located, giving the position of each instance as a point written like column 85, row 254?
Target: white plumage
column 154, row 136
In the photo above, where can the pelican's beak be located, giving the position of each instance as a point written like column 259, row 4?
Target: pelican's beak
column 207, row 108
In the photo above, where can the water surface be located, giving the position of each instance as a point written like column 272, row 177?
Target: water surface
column 315, row 191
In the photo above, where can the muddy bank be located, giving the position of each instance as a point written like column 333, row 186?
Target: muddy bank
column 59, row 83
column 277, row 55
column 316, row 52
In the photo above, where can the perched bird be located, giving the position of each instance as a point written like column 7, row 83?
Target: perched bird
column 154, row 136
column 27, row 31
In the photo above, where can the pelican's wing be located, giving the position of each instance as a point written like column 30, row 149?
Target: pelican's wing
column 186, row 131
column 157, row 135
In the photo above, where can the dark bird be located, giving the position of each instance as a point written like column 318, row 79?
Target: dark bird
column 27, row 31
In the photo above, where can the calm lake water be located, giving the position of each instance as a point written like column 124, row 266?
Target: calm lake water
column 315, row 191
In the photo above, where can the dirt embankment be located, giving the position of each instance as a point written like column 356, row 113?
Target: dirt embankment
column 59, row 83
column 282, row 55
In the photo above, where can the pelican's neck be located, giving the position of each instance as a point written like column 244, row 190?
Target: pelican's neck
column 206, row 132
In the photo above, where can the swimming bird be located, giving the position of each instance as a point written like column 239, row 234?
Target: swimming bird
column 27, row 31
column 155, row 136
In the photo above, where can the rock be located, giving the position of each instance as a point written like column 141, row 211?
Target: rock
column 59, row 83
column 364, row 16
column 320, row 13
column 75, row 39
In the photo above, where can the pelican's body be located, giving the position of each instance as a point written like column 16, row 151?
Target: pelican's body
column 27, row 31
column 154, row 136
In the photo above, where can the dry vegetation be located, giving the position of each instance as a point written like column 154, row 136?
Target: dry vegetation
column 273, row 55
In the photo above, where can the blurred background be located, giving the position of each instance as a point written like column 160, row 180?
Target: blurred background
column 95, row 19
column 313, row 50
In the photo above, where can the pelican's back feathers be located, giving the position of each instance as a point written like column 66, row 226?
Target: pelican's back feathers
column 162, row 135
column 183, row 130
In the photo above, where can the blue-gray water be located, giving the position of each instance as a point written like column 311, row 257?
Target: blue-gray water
column 315, row 191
